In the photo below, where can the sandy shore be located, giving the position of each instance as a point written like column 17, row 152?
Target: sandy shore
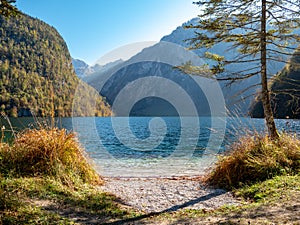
column 167, row 194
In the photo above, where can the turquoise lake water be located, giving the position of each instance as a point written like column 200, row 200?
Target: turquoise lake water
column 150, row 146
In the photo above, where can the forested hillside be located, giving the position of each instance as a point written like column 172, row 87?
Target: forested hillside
column 36, row 73
column 285, row 87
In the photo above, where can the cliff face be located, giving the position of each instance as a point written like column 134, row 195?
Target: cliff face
column 285, row 88
column 36, row 72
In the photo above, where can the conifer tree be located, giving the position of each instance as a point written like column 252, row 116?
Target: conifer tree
column 7, row 8
column 260, row 30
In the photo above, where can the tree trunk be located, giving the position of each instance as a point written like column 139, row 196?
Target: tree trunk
column 265, row 94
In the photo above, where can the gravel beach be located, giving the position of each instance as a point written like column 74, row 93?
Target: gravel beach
column 167, row 194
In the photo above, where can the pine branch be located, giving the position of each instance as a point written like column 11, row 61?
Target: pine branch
column 237, row 78
column 279, row 52
column 281, row 46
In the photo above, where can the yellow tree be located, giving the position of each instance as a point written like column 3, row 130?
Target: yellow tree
column 7, row 8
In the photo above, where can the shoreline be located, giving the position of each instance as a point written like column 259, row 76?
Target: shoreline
column 180, row 177
column 152, row 195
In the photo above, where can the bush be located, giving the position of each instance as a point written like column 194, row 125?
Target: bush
column 256, row 158
column 53, row 152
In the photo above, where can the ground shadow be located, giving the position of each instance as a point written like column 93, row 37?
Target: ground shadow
column 171, row 209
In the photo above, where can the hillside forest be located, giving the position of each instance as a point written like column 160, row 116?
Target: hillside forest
column 36, row 73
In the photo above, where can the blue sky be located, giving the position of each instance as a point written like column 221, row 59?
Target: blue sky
column 92, row 28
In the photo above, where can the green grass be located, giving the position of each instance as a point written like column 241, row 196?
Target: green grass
column 20, row 199
column 46, row 178
column 270, row 190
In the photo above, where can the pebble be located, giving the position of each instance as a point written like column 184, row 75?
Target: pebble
column 167, row 194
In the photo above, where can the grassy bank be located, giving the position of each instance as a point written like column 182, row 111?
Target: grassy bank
column 256, row 158
column 264, row 174
column 46, row 178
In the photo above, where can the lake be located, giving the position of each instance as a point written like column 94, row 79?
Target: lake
column 151, row 146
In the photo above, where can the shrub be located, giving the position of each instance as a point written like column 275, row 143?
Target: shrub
column 53, row 152
column 256, row 158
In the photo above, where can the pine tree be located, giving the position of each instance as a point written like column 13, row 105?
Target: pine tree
column 260, row 30
column 7, row 8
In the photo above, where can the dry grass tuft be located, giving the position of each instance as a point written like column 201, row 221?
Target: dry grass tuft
column 256, row 158
column 51, row 151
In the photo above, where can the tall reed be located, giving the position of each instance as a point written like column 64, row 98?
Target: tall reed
column 47, row 151
column 256, row 158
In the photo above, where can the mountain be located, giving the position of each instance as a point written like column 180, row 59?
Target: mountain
column 238, row 95
column 106, row 67
column 155, row 65
column 36, row 73
column 159, row 61
column 82, row 69
column 285, row 88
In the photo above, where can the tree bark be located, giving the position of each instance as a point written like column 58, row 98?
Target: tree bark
column 265, row 94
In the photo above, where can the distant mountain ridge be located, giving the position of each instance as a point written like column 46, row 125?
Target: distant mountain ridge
column 238, row 96
column 82, row 69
